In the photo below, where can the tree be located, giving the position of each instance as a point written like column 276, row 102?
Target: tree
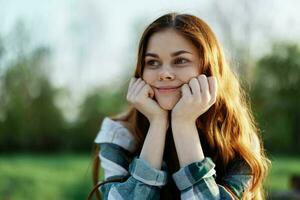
column 31, row 120
column 276, row 97
column 99, row 103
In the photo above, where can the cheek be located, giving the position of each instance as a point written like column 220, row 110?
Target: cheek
column 186, row 75
column 149, row 76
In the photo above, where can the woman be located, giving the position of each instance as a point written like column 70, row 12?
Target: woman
column 190, row 133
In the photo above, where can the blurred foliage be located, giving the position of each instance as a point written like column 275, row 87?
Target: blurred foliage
column 276, row 98
column 1, row 48
column 98, row 104
column 31, row 120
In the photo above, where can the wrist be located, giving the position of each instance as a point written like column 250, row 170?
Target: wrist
column 182, row 123
column 159, row 121
column 182, row 120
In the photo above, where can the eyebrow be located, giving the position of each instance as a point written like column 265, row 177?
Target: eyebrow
column 176, row 53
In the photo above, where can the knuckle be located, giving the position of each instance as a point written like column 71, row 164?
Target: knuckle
column 138, row 100
column 131, row 100
column 147, row 86
column 185, row 86
column 142, row 82
column 214, row 100
column 202, row 76
column 192, row 79
column 206, row 98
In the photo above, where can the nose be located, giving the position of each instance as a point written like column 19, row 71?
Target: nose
column 166, row 73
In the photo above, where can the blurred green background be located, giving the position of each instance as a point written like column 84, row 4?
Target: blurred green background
column 55, row 91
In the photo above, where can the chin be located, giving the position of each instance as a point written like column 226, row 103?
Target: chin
column 167, row 106
column 167, row 103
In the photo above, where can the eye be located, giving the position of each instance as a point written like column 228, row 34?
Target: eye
column 152, row 63
column 181, row 61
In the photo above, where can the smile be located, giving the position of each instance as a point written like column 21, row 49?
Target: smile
column 167, row 90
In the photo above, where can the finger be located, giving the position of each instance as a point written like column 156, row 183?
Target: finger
column 204, row 87
column 147, row 91
column 129, row 91
column 185, row 89
column 132, row 86
column 138, row 87
column 195, row 86
column 151, row 92
column 132, row 80
column 136, row 82
column 213, row 88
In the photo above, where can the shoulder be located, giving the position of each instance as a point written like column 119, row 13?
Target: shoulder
column 115, row 132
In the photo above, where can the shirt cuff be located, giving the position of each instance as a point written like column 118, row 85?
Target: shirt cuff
column 193, row 173
column 141, row 170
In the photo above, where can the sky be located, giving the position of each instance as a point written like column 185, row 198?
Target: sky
column 94, row 42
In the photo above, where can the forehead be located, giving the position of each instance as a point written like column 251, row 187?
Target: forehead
column 169, row 41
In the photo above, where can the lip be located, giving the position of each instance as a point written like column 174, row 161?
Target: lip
column 167, row 89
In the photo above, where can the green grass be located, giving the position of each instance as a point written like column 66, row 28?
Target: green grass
column 281, row 170
column 68, row 177
column 45, row 177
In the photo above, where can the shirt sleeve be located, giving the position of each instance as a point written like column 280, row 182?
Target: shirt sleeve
column 118, row 160
column 197, row 181
column 144, row 181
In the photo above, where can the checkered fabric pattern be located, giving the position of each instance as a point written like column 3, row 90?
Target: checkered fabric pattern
column 195, row 181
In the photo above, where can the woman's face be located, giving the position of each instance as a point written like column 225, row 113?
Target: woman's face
column 170, row 61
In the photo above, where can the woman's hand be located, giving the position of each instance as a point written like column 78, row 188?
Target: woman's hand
column 140, row 95
column 197, row 97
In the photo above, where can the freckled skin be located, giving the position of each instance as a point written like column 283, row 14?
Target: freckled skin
column 167, row 70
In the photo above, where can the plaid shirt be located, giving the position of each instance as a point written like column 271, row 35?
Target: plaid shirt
column 195, row 181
